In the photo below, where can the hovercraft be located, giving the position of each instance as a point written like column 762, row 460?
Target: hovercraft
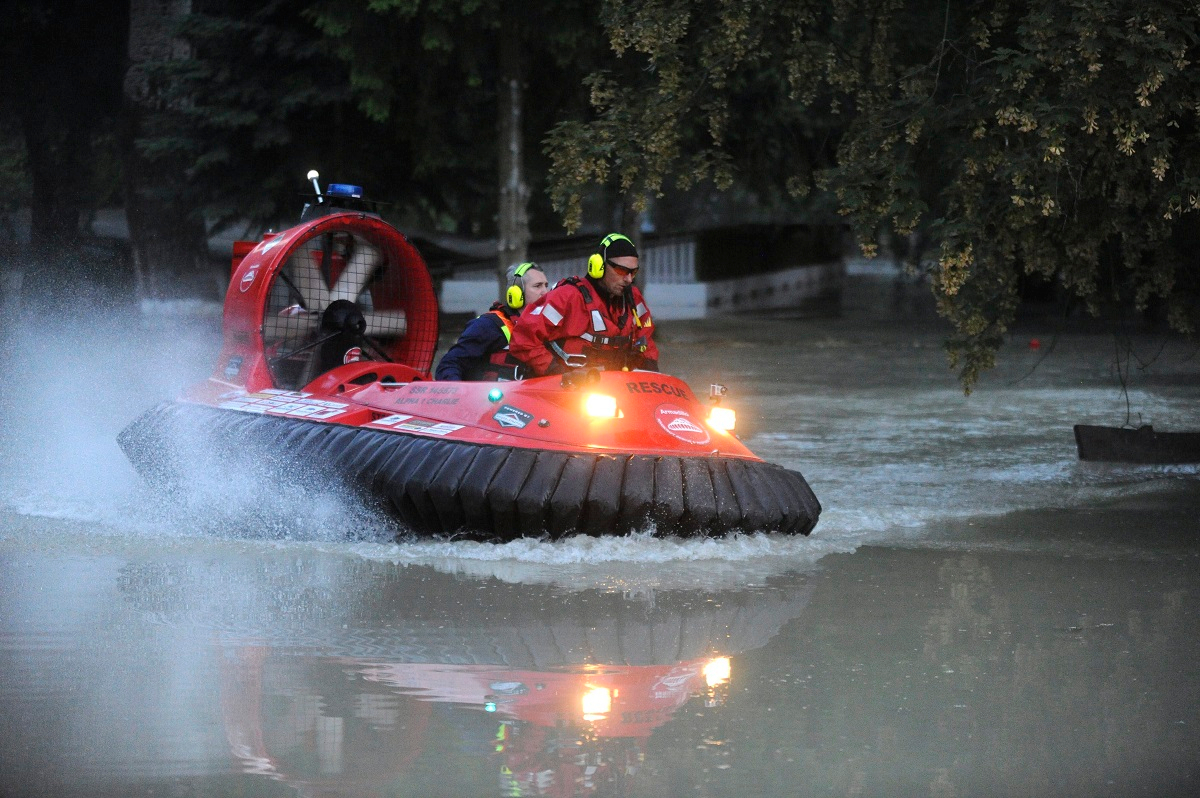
column 329, row 333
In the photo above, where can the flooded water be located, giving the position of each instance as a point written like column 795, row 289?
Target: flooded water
column 977, row 612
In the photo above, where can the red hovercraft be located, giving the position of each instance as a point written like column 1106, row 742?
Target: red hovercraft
column 330, row 329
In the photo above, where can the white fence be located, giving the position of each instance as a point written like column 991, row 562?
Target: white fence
column 669, row 259
column 668, row 279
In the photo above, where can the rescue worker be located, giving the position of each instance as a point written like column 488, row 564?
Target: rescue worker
column 597, row 321
column 481, row 352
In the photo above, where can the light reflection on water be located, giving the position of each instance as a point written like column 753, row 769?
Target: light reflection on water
column 252, row 648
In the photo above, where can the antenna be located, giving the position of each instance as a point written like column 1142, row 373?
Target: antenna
column 313, row 174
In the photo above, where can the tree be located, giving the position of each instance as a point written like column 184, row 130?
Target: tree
column 473, row 60
column 1026, row 137
column 166, row 230
column 258, row 97
column 247, row 103
column 62, row 62
column 241, row 101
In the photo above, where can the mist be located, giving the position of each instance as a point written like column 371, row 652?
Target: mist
column 75, row 374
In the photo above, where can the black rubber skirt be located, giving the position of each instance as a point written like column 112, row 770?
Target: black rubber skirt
column 449, row 488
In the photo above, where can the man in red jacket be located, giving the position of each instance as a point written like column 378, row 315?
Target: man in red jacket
column 598, row 321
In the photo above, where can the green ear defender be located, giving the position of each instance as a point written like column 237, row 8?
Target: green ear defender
column 596, row 262
column 515, row 295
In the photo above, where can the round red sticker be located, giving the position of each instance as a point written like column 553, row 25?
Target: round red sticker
column 678, row 423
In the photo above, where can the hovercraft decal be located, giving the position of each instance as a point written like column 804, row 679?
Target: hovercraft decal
column 509, row 416
column 677, row 423
column 420, row 426
column 285, row 403
column 248, row 280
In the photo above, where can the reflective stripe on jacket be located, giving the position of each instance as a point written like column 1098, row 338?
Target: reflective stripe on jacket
column 501, row 364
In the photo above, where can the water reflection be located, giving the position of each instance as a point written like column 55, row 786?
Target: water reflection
column 354, row 726
column 466, row 686
column 1009, row 660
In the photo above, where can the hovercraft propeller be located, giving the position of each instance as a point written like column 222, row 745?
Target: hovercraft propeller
column 340, row 287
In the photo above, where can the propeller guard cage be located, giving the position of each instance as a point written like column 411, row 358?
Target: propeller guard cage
column 275, row 325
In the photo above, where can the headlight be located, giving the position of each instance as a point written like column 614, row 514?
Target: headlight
column 598, row 405
column 717, row 671
column 597, row 702
column 722, row 419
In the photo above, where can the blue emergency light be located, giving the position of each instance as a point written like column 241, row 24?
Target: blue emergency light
column 344, row 190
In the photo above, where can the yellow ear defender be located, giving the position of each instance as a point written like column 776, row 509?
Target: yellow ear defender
column 596, row 266
column 596, row 262
column 515, row 295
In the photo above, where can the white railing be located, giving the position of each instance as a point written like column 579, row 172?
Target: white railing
column 669, row 259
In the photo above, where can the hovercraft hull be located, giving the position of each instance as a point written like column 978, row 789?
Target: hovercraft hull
column 443, row 487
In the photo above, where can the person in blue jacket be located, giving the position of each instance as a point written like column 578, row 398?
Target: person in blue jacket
column 481, row 352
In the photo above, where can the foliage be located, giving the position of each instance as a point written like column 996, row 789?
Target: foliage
column 395, row 95
column 1040, row 137
column 62, row 62
column 424, row 71
column 251, row 106
column 14, row 170
column 431, row 68
column 262, row 97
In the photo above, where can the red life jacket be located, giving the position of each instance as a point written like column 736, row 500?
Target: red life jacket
column 611, row 343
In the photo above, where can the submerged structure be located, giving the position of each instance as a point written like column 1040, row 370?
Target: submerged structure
column 330, row 329
column 1141, row 445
